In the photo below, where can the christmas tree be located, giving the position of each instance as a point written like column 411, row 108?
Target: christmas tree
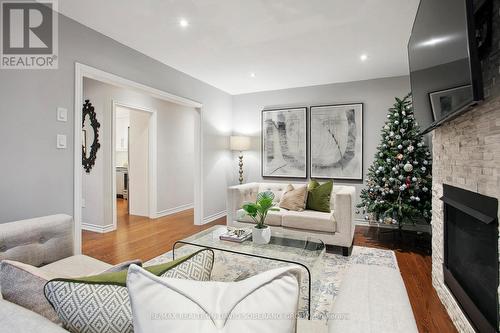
column 399, row 180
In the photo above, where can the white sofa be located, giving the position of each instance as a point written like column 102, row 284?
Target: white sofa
column 334, row 228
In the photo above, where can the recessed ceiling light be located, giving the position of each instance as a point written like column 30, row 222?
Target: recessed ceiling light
column 252, row 74
column 363, row 57
column 183, row 23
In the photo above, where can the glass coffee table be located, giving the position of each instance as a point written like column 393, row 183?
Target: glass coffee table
column 288, row 247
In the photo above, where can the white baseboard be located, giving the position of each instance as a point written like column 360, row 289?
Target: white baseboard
column 174, row 210
column 98, row 228
column 213, row 217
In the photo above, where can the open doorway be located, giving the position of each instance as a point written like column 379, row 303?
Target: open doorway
column 133, row 165
column 152, row 197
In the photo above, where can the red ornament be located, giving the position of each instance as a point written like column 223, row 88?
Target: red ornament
column 408, row 182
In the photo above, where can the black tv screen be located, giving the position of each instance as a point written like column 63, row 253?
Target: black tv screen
column 445, row 72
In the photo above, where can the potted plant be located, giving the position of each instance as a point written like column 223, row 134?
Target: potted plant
column 261, row 233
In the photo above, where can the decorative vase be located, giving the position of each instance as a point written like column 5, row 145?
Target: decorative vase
column 261, row 236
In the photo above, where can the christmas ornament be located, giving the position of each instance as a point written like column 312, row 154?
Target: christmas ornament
column 415, row 162
column 400, row 146
column 401, row 177
column 402, row 130
column 408, row 167
column 417, row 199
column 380, row 168
column 399, row 156
column 414, row 179
column 411, row 148
column 388, row 160
column 396, row 122
column 391, row 134
column 425, row 189
column 425, row 162
column 423, row 169
column 402, row 187
column 398, row 137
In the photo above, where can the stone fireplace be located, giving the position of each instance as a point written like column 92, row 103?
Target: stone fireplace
column 466, row 155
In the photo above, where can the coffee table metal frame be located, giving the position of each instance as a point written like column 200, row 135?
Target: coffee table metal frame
column 257, row 256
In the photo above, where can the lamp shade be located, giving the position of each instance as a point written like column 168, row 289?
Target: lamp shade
column 239, row 143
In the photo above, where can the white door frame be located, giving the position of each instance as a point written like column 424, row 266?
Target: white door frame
column 152, row 159
column 82, row 71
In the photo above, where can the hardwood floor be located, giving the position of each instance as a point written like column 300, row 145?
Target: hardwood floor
column 139, row 237
column 142, row 238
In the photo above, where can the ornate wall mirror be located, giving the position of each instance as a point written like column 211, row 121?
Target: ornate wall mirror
column 90, row 136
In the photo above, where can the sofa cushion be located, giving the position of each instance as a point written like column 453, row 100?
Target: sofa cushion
column 16, row 319
column 274, row 218
column 271, row 296
column 79, row 265
column 101, row 303
column 310, row 220
column 294, row 198
column 22, row 284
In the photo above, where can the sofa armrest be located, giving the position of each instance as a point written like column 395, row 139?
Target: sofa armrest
column 343, row 210
column 237, row 195
column 37, row 241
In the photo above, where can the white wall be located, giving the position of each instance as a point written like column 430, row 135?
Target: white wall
column 175, row 144
column 377, row 96
column 138, row 191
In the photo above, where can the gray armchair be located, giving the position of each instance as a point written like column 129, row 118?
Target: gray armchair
column 46, row 243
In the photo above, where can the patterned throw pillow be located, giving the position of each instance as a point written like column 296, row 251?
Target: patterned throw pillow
column 101, row 303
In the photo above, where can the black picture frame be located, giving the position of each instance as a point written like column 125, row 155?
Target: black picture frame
column 360, row 176
column 265, row 174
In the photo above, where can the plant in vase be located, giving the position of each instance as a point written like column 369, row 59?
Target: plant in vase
column 258, row 210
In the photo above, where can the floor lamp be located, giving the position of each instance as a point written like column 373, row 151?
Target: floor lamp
column 240, row 143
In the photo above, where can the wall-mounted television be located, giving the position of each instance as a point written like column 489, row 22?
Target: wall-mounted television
column 445, row 71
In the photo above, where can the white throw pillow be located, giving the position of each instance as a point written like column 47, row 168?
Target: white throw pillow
column 265, row 303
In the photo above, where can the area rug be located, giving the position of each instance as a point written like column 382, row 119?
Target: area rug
column 327, row 275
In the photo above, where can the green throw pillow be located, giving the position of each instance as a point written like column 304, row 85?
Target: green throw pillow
column 101, row 303
column 318, row 196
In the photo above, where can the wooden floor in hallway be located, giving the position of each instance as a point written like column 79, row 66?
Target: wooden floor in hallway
column 139, row 237
column 143, row 238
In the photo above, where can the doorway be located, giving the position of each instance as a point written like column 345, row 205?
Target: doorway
column 83, row 71
column 134, row 156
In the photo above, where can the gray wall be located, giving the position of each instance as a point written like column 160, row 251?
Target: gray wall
column 377, row 96
column 37, row 178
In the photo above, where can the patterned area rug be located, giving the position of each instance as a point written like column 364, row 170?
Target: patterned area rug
column 326, row 277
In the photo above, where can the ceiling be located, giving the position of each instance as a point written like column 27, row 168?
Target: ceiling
column 285, row 43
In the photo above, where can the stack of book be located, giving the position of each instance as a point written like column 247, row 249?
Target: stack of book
column 236, row 235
